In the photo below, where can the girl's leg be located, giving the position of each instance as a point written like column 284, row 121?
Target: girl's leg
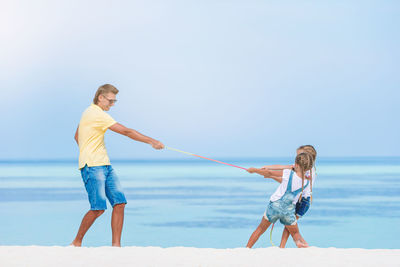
column 297, row 238
column 264, row 224
column 285, row 237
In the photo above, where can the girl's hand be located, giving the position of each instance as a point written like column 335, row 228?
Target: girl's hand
column 252, row 170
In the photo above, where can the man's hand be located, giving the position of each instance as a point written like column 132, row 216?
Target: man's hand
column 76, row 136
column 157, row 144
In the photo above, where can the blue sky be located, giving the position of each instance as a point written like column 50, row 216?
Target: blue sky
column 216, row 78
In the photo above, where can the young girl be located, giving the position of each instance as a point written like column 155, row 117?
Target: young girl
column 304, row 202
column 282, row 202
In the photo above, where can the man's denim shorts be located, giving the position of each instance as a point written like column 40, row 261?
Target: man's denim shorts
column 302, row 206
column 101, row 182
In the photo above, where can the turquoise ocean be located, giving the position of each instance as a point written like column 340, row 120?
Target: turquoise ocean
column 197, row 203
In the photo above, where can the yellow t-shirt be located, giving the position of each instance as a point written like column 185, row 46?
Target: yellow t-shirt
column 92, row 127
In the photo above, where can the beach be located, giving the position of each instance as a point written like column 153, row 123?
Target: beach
column 187, row 256
column 137, row 124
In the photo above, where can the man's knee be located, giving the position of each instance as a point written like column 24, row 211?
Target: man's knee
column 97, row 213
column 119, row 206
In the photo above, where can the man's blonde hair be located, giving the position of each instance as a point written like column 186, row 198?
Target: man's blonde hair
column 104, row 89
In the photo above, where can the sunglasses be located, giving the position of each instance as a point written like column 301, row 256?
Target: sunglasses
column 112, row 101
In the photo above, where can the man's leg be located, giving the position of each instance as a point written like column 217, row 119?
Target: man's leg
column 117, row 199
column 94, row 180
column 87, row 221
column 262, row 227
column 297, row 238
column 117, row 221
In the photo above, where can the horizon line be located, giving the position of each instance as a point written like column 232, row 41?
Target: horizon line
column 241, row 159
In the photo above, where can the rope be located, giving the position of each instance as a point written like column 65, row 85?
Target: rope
column 191, row 154
column 270, row 236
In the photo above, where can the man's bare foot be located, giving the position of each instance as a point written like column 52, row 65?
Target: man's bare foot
column 76, row 243
column 116, row 245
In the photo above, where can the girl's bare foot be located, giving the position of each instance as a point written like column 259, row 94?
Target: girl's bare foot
column 300, row 244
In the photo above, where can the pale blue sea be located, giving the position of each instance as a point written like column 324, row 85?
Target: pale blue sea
column 196, row 203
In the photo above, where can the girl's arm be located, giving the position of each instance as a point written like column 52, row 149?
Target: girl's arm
column 276, row 175
column 277, row 167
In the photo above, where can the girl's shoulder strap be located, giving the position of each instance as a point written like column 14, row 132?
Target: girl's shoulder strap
column 300, row 189
column 308, row 182
column 289, row 186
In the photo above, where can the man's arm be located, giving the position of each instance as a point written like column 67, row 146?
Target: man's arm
column 276, row 175
column 76, row 135
column 135, row 135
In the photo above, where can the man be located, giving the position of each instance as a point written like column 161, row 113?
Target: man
column 98, row 176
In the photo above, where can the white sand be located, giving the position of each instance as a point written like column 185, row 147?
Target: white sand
column 183, row 256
